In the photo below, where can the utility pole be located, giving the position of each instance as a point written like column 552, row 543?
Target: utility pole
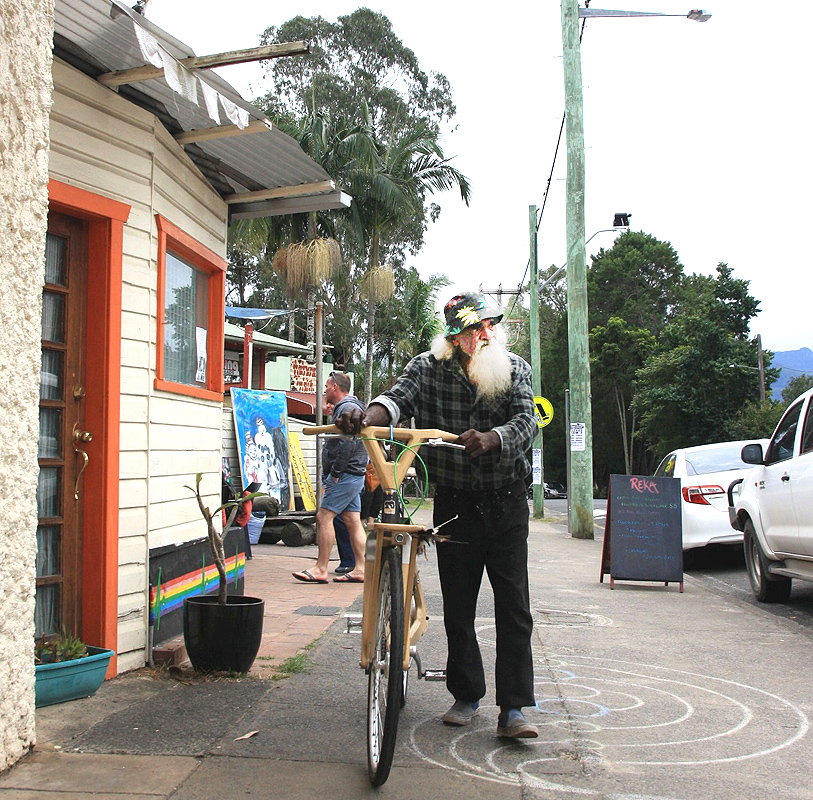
column 536, row 365
column 580, row 484
column 761, row 371
column 319, row 354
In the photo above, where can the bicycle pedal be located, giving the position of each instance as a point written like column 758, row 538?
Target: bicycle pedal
column 352, row 621
column 434, row 675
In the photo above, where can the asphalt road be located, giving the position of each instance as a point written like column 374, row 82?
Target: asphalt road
column 720, row 568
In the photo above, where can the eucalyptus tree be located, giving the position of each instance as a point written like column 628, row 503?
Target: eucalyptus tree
column 357, row 59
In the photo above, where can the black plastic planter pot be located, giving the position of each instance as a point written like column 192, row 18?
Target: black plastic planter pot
column 222, row 638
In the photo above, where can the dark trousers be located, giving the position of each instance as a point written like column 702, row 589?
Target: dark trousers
column 346, row 556
column 491, row 533
column 371, row 502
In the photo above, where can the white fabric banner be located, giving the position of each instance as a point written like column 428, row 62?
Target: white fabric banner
column 182, row 80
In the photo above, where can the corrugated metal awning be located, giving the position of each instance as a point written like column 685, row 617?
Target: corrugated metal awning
column 259, row 172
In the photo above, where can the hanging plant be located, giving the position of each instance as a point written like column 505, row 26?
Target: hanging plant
column 305, row 264
column 378, row 283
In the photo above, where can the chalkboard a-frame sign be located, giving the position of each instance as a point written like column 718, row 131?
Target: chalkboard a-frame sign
column 643, row 535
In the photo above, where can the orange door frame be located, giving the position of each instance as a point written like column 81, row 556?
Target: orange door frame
column 106, row 219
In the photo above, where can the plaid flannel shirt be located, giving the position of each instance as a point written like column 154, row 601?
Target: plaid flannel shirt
column 438, row 394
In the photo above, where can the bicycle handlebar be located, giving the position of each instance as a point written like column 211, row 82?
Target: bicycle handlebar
column 412, row 439
column 411, row 435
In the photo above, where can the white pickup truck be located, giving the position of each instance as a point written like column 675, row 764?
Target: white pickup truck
column 773, row 505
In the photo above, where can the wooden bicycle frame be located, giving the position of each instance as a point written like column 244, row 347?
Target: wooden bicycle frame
column 390, row 534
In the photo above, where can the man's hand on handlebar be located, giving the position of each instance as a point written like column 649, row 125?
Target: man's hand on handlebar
column 352, row 421
column 477, row 443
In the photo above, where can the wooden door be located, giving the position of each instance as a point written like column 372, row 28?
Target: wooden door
column 63, row 435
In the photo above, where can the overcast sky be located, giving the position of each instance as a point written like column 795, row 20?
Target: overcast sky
column 699, row 130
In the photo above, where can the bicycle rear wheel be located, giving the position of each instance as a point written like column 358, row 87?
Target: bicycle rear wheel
column 385, row 684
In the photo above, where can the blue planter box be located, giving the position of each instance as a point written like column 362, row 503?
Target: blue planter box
column 69, row 680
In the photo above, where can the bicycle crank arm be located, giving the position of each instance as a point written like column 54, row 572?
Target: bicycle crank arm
column 426, row 674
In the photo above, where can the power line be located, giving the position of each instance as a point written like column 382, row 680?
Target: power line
column 550, row 179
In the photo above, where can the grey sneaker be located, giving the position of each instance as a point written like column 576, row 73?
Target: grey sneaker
column 511, row 724
column 461, row 713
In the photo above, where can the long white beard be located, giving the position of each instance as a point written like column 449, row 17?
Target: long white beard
column 489, row 368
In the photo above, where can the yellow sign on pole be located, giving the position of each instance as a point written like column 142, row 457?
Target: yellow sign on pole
column 544, row 411
column 300, row 471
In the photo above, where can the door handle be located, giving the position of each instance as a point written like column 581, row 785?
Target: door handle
column 80, row 438
column 785, row 478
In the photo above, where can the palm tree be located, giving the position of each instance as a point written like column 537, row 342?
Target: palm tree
column 389, row 184
column 408, row 323
column 304, row 247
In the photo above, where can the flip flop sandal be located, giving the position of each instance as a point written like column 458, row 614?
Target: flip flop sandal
column 306, row 577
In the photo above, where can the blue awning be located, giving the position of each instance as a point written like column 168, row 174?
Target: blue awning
column 256, row 313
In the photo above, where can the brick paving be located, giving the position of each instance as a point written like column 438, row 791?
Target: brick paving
column 296, row 613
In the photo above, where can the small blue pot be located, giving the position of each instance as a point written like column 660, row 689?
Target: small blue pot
column 69, row 680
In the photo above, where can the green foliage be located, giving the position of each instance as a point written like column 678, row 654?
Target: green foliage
column 356, row 59
column 662, row 344
column 687, row 393
column 65, row 647
column 408, row 323
column 796, row 386
column 291, row 666
column 361, row 106
column 755, row 420
column 638, row 280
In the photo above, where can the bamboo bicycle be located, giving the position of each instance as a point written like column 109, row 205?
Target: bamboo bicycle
column 394, row 609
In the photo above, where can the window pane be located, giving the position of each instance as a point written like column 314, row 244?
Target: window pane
column 51, row 375
column 185, row 309
column 47, row 550
column 48, row 504
column 50, row 422
column 53, row 317
column 781, row 446
column 56, row 249
column 46, row 613
column 807, row 433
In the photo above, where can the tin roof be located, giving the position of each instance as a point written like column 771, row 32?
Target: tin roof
column 273, row 344
column 103, row 36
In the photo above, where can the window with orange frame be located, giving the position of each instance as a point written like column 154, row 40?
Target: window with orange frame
column 191, row 300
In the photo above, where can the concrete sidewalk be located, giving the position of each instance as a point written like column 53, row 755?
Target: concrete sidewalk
column 641, row 692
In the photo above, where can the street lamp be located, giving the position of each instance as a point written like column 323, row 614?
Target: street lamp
column 580, row 489
column 620, row 223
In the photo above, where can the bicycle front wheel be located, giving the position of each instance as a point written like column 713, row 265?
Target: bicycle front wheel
column 386, row 669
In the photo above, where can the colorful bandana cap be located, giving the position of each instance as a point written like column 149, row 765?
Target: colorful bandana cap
column 467, row 309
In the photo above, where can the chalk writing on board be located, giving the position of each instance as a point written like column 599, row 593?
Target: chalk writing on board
column 643, row 539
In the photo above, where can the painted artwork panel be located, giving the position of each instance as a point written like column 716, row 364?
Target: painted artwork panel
column 261, row 430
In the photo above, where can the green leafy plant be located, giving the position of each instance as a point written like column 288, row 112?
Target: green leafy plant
column 216, row 537
column 64, row 647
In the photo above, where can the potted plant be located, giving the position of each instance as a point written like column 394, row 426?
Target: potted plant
column 66, row 669
column 222, row 632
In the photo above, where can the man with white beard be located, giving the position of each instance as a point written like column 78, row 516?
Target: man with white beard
column 469, row 384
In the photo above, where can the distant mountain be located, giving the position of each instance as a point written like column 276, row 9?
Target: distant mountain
column 797, row 361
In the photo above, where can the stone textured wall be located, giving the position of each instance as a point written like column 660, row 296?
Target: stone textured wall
column 26, row 31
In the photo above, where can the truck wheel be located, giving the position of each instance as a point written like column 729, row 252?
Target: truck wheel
column 766, row 589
